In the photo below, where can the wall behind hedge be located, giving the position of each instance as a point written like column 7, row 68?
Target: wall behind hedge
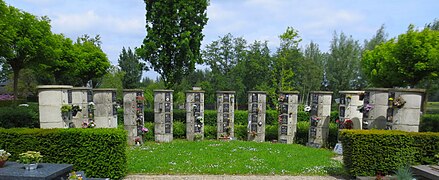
column 97, row 152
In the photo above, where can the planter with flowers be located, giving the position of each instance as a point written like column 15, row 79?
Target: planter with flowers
column 30, row 159
column 3, row 157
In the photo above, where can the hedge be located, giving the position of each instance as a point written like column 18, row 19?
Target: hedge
column 429, row 123
column 19, row 117
column 368, row 152
column 97, row 152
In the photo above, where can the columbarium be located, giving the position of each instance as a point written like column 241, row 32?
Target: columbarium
column 225, row 114
column 163, row 115
column 404, row 111
column 105, row 114
column 256, row 115
column 55, row 106
column 320, row 113
column 375, row 107
column 288, row 103
column 195, row 114
column 133, row 115
column 81, row 97
column 350, row 115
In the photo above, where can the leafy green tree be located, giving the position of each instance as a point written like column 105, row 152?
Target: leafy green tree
column 129, row 63
column 342, row 68
column 404, row 61
column 310, row 71
column 174, row 35
column 113, row 79
column 23, row 40
column 379, row 38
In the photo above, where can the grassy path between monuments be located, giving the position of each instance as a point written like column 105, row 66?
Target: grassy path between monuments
column 233, row 157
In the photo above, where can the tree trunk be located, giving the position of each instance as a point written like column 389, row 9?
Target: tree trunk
column 15, row 86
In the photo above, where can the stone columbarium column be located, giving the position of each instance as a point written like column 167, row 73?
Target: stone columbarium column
column 404, row 111
column 375, row 105
column 55, row 105
column 256, row 115
column 163, row 115
column 81, row 97
column 320, row 114
column 106, row 108
column 288, row 103
column 225, row 115
column 133, row 115
column 350, row 115
column 195, row 114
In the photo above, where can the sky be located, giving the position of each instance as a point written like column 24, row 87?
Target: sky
column 121, row 23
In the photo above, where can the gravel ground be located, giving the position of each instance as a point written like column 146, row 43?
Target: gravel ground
column 223, row 177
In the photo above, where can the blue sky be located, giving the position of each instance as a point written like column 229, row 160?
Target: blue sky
column 120, row 23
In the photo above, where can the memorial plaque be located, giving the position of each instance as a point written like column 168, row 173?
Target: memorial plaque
column 225, row 117
column 114, row 109
column 167, row 118
column 313, row 131
column 254, row 118
column 167, row 97
column 342, row 111
column 343, row 99
column 197, row 127
column 254, row 108
column 197, row 97
column 225, row 107
column 167, row 128
column 89, row 96
column 284, row 130
column 284, row 119
column 226, row 98
column 315, row 99
column 254, row 128
column 284, row 109
column 69, row 96
column 254, row 98
column 113, row 96
column 167, row 107
column 196, row 107
column 314, row 110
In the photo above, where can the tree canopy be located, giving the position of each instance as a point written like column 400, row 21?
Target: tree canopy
column 173, row 39
column 129, row 63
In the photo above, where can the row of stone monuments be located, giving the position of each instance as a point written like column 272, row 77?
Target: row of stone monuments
column 375, row 108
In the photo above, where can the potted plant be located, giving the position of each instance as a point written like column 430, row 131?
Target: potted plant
column 66, row 111
column 3, row 157
column 30, row 159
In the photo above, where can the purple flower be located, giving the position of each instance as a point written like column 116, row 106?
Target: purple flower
column 144, row 129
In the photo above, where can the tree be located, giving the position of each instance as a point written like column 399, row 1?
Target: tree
column 405, row 61
column 342, row 68
column 379, row 38
column 23, row 40
column 310, row 71
column 113, row 79
column 174, row 35
column 129, row 63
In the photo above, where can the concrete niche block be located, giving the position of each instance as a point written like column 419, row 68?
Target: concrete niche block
column 256, row 115
column 288, row 103
column 163, row 115
column 106, row 107
column 133, row 108
column 195, row 114
column 51, row 98
column 405, row 117
column 225, row 114
column 348, row 108
column 320, row 103
column 375, row 117
column 81, row 96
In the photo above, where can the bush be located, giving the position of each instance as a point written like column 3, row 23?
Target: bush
column 302, row 116
column 302, row 132
column 97, row 152
column 241, row 117
column 241, row 132
column 271, row 132
column 150, row 135
column 366, row 152
column 179, row 130
column 210, row 132
column 19, row 117
column 429, row 123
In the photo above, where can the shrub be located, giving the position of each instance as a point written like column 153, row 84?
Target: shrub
column 150, row 135
column 366, row 152
column 429, row 123
column 271, row 132
column 302, row 116
column 241, row 132
column 241, row 117
column 97, row 152
column 210, row 132
column 179, row 130
column 16, row 117
column 302, row 132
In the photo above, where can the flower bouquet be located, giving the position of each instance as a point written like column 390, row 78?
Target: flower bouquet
column 3, row 157
column 30, row 159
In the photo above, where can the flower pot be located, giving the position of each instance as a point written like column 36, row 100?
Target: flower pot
column 31, row 166
column 2, row 163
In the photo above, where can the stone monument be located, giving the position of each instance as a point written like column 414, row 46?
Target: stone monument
column 52, row 99
column 375, row 107
column 133, row 115
column 195, row 114
column 320, row 102
column 350, row 116
column 256, row 115
column 81, row 97
column 404, row 110
column 163, row 115
column 225, row 115
column 105, row 115
column 288, row 103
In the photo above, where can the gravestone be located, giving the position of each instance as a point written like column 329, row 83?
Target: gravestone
column 350, row 116
column 225, row 115
column 81, row 97
column 195, row 114
column 288, row 103
column 163, row 115
column 320, row 102
column 404, row 112
column 133, row 115
column 105, row 114
column 375, row 107
column 256, row 115
column 50, row 99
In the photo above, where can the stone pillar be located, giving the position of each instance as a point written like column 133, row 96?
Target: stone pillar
column 225, row 115
column 350, row 116
column 50, row 99
column 288, row 103
column 404, row 111
column 195, row 114
column 256, row 115
column 133, row 115
column 163, row 115
column 106, row 108
column 81, row 97
column 320, row 115
column 375, row 108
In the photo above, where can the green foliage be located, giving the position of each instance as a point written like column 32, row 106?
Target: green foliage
column 404, row 173
column 179, row 130
column 241, row 132
column 404, row 61
column 89, row 150
column 174, row 35
column 129, row 63
column 429, row 123
column 15, row 117
column 366, row 152
column 231, row 158
column 210, row 132
column 271, row 132
column 113, row 79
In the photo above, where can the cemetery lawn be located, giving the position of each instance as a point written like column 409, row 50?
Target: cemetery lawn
column 233, row 158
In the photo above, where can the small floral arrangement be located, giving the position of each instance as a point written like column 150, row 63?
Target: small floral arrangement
column 76, row 109
column 4, row 155
column 74, row 176
column 66, row 108
column 140, row 99
column 253, row 133
column 30, row 157
column 88, row 124
column 91, row 105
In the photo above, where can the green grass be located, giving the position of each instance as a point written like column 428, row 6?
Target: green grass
column 234, row 157
column 432, row 107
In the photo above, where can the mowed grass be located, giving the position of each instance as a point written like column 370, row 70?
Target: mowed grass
column 433, row 107
column 233, row 157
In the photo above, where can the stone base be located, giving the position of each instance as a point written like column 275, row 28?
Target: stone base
column 163, row 137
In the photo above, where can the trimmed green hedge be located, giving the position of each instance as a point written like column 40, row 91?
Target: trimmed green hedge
column 97, row 152
column 19, row 117
column 429, row 123
column 367, row 152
